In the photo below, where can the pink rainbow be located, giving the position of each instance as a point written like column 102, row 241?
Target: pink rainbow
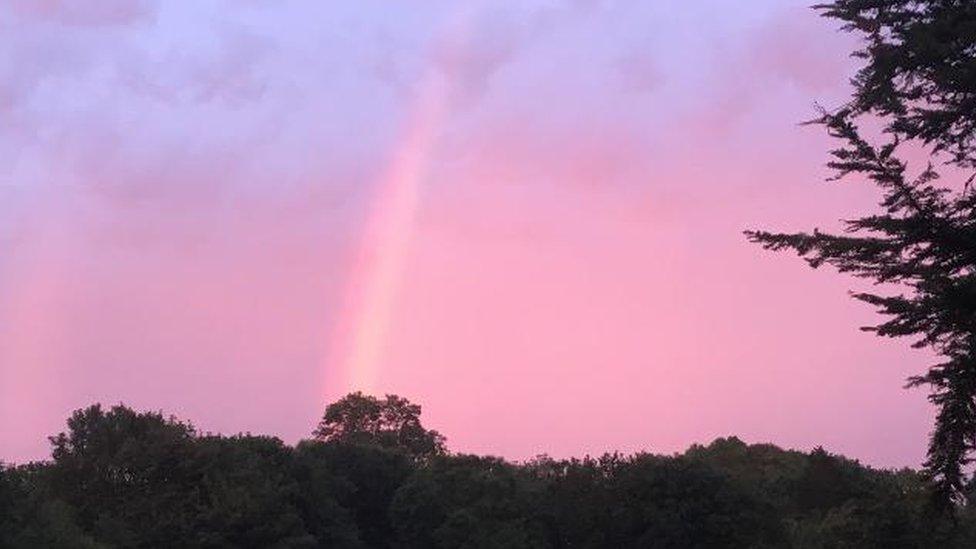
column 358, row 346
column 385, row 247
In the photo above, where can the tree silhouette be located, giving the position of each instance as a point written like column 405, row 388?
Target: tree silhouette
column 919, row 79
column 122, row 478
column 391, row 422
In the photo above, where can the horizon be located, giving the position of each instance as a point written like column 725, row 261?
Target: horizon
column 526, row 217
column 312, row 437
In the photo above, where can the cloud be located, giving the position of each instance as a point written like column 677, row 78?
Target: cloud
column 639, row 72
column 791, row 47
column 33, row 55
column 229, row 72
column 133, row 118
column 476, row 49
column 85, row 13
column 784, row 64
column 470, row 54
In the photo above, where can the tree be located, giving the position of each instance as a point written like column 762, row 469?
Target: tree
column 920, row 71
column 919, row 80
column 143, row 480
column 576, row 507
column 358, row 483
column 392, row 422
column 127, row 479
column 8, row 504
column 31, row 517
column 677, row 502
column 467, row 501
column 249, row 496
column 130, row 475
column 764, row 471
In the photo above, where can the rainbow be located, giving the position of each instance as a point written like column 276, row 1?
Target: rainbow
column 378, row 269
column 379, row 264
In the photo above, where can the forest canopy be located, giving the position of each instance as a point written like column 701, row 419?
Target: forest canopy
column 122, row 478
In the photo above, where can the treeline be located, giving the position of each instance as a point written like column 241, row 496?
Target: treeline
column 373, row 476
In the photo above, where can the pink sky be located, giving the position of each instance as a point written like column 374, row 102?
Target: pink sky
column 525, row 216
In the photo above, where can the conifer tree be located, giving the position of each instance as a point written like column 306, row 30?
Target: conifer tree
column 919, row 81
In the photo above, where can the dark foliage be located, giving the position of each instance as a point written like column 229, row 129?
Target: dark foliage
column 359, row 480
column 920, row 69
column 120, row 478
column 391, row 422
column 919, row 80
column 468, row 501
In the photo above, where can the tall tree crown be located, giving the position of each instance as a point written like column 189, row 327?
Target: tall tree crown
column 390, row 422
